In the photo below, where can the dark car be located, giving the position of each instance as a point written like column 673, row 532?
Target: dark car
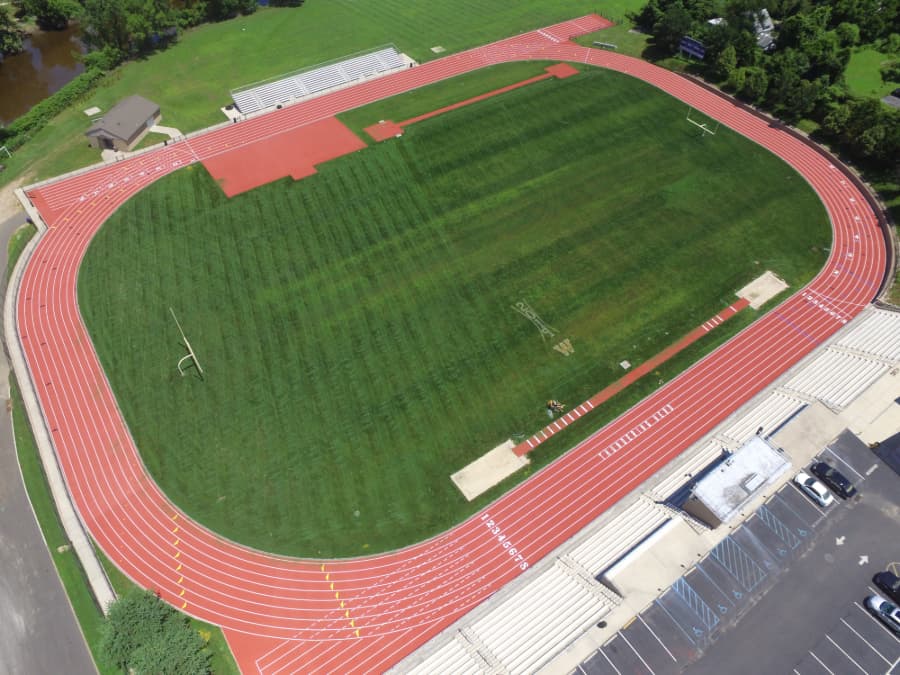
column 834, row 479
column 889, row 583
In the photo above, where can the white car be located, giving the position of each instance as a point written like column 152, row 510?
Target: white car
column 816, row 491
column 886, row 611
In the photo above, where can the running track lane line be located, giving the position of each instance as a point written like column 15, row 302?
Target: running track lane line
column 279, row 614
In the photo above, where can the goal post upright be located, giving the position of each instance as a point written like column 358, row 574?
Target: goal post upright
column 704, row 128
column 190, row 355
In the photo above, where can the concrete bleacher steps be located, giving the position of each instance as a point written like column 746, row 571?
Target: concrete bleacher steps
column 611, row 542
column 770, row 413
column 836, row 377
column 318, row 80
column 877, row 334
column 457, row 657
column 538, row 621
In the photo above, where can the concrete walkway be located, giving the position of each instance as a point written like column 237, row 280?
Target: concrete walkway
column 40, row 633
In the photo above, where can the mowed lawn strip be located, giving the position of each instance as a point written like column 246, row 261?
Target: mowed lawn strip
column 357, row 329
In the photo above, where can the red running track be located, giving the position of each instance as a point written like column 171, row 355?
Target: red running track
column 365, row 614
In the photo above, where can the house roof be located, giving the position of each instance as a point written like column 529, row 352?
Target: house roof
column 125, row 118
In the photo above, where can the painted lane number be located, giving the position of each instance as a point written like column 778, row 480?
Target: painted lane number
column 504, row 541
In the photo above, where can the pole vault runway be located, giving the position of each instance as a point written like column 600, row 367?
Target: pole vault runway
column 363, row 615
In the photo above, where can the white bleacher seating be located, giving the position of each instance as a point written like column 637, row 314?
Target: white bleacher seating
column 611, row 542
column 317, row 81
column 538, row 621
column 770, row 413
column 878, row 334
column 836, row 377
column 450, row 659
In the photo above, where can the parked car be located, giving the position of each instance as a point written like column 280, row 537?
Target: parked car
column 814, row 489
column 834, row 479
column 885, row 611
column 889, row 583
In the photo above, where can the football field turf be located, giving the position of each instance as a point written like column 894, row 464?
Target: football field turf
column 357, row 330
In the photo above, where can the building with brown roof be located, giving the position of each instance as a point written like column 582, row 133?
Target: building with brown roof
column 124, row 125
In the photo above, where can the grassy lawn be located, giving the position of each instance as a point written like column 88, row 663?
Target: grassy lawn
column 356, row 328
column 621, row 35
column 192, row 80
column 863, row 75
column 434, row 96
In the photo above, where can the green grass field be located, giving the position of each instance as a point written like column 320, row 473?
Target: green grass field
column 356, row 328
column 863, row 74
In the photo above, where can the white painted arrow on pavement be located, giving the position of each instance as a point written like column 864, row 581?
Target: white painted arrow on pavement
column 839, row 541
column 863, row 559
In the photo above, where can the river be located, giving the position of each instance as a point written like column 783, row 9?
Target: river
column 29, row 77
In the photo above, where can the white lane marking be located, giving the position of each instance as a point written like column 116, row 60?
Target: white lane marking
column 872, row 469
column 636, row 653
column 844, row 462
column 657, row 638
column 821, row 664
column 876, row 621
column 618, row 672
column 849, row 658
column 880, row 655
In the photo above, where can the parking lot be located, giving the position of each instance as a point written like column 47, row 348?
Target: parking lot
column 794, row 576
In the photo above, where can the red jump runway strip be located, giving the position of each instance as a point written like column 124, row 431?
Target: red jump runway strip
column 363, row 615
column 627, row 380
column 294, row 153
column 388, row 129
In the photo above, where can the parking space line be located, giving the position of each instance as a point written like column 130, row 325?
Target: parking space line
column 710, row 579
column 657, row 638
column 876, row 621
column 618, row 672
column 821, row 664
column 880, row 655
column 849, row 658
column 844, row 462
column 791, row 508
column 675, row 621
column 812, row 504
column 637, row 653
column 582, row 669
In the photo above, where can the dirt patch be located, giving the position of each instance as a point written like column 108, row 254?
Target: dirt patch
column 9, row 205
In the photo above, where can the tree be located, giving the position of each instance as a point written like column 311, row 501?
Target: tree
column 675, row 23
column 10, row 35
column 127, row 26
column 756, row 83
column 727, row 62
column 848, row 34
column 144, row 635
column 51, row 14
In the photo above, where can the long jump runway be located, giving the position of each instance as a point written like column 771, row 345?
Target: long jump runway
column 363, row 615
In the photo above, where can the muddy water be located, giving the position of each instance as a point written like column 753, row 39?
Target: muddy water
column 47, row 63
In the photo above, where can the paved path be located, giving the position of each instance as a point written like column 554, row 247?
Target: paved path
column 39, row 632
column 364, row 614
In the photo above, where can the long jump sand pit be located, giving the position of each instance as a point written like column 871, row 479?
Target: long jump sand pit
column 762, row 289
column 488, row 470
column 293, row 153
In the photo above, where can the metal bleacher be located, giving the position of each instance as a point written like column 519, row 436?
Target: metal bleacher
column 316, row 80
column 836, row 377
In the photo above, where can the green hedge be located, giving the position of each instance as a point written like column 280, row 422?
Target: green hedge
column 15, row 135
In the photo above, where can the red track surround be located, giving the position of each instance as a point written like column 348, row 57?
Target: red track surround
column 363, row 615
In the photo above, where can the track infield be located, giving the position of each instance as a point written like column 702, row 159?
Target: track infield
column 279, row 613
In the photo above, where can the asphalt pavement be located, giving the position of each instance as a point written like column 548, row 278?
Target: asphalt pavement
column 39, row 632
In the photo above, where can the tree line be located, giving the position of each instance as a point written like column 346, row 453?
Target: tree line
column 801, row 74
column 115, row 30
